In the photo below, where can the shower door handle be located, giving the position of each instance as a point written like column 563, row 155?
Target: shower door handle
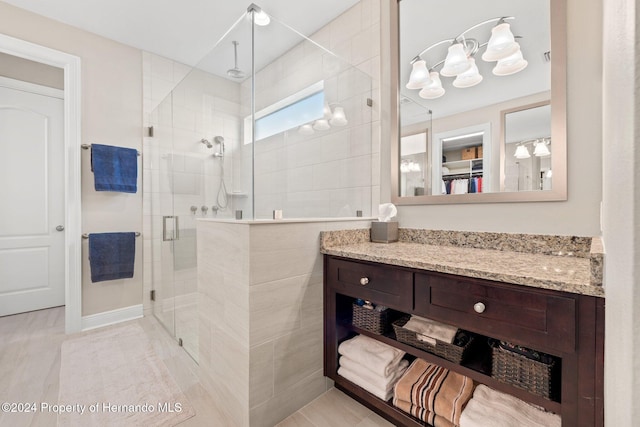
column 176, row 229
column 165, row 237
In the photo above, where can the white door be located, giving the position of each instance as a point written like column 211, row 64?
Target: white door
column 32, row 200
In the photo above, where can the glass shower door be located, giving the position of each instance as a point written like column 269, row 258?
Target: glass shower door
column 173, row 193
column 160, row 149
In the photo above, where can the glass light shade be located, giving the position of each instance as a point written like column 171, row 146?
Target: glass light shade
column 261, row 18
column 419, row 77
column 434, row 89
column 326, row 110
column 321, row 124
column 456, row 61
column 501, row 44
column 510, row 65
column 306, row 129
column 541, row 150
column 549, row 174
column 339, row 118
column 469, row 78
column 522, row 152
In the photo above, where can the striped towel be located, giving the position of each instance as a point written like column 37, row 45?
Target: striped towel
column 433, row 394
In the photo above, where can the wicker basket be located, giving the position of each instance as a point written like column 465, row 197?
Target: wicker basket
column 445, row 350
column 373, row 321
column 517, row 370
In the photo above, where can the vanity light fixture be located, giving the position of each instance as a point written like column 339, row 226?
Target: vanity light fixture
column 306, row 129
column 522, row 152
column 335, row 117
column 321, row 124
column 338, row 118
column 409, row 166
column 541, row 148
column 460, row 62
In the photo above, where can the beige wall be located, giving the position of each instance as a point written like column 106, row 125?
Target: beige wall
column 30, row 71
column 580, row 214
column 111, row 114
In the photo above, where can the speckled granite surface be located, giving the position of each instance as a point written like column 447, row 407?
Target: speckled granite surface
column 529, row 243
column 536, row 268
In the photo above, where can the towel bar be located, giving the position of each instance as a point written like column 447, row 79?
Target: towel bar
column 87, row 146
column 86, row 235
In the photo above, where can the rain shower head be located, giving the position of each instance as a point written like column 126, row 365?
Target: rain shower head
column 206, row 142
column 235, row 72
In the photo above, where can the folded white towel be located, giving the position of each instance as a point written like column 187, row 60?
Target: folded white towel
column 431, row 329
column 382, row 382
column 383, row 393
column 379, row 357
column 493, row 408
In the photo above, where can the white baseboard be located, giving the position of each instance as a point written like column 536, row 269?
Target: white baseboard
column 111, row 317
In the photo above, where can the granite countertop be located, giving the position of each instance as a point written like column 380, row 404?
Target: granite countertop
column 577, row 269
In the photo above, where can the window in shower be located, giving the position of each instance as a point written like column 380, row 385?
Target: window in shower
column 295, row 110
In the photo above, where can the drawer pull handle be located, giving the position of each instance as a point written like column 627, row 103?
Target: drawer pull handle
column 479, row 307
column 364, row 281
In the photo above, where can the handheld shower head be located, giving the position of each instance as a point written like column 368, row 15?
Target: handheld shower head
column 206, row 142
column 219, row 140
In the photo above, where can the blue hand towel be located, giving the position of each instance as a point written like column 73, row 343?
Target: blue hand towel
column 114, row 168
column 111, row 255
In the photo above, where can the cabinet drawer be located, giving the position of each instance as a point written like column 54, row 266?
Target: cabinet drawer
column 379, row 284
column 500, row 311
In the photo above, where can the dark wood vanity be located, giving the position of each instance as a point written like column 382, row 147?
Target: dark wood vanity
column 567, row 325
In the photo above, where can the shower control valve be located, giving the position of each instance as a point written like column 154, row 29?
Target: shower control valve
column 194, row 209
column 204, row 209
column 214, row 209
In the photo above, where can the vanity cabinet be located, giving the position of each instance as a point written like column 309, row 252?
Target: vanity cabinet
column 566, row 325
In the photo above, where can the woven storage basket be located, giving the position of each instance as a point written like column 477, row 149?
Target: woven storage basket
column 445, row 350
column 528, row 374
column 371, row 320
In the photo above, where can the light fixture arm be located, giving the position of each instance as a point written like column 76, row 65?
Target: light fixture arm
column 499, row 19
column 546, row 140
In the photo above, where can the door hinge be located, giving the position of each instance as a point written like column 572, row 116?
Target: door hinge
column 153, row 295
column 150, row 131
column 369, row 102
column 180, row 342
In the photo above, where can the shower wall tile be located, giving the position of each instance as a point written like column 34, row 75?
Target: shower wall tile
column 281, row 406
column 260, row 373
column 275, row 308
column 296, row 356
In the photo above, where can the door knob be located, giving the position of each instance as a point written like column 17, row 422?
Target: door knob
column 60, row 228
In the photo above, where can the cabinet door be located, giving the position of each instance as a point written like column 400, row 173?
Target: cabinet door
column 527, row 316
column 386, row 285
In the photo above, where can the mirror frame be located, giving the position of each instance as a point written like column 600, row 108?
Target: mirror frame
column 558, row 11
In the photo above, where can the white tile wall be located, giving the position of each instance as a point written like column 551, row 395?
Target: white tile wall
column 260, row 298
column 270, row 318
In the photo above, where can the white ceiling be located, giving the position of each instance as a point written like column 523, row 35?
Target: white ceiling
column 181, row 30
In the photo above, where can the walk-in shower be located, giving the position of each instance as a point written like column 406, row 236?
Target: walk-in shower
column 288, row 128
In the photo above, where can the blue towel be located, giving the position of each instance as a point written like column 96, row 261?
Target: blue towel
column 114, row 168
column 111, row 255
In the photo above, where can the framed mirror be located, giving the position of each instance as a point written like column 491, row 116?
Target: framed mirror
column 475, row 77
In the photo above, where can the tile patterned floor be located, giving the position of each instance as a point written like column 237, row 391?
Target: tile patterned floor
column 30, row 367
